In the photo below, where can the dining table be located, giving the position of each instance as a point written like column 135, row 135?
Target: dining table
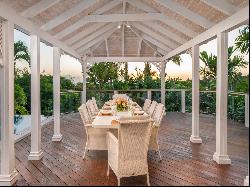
column 111, row 121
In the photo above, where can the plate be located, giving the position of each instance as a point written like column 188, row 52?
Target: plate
column 138, row 112
column 108, row 103
column 105, row 112
column 106, row 108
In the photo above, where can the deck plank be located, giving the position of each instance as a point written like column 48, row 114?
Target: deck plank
column 183, row 163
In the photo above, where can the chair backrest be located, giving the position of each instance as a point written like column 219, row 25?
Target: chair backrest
column 159, row 113
column 95, row 104
column 90, row 107
column 86, row 118
column 134, row 135
column 146, row 105
column 152, row 108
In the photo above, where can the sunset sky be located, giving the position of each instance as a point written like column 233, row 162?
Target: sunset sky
column 71, row 67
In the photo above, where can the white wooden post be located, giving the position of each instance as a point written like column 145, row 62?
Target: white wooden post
column 8, row 173
column 246, row 181
column 115, row 92
column 84, row 82
column 195, row 137
column 36, row 152
column 220, row 156
column 247, row 110
column 57, row 136
column 149, row 94
column 163, row 80
column 183, row 101
column 81, row 95
column 1, row 58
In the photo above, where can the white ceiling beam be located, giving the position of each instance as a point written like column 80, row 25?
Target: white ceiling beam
column 9, row 13
column 185, row 12
column 165, row 32
column 107, row 47
column 156, row 42
column 104, row 36
column 222, row 5
column 84, row 21
column 123, row 17
column 94, row 35
column 107, row 7
column 123, row 28
column 96, row 46
column 124, row 7
column 38, row 8
column 141, row 5
column 123, row 59
column 84, row 33
column 178, row 26
column 167, row 42
column 163, row 18
column 146, row 42
column 123, row 39
column 234, row 21
column 78, row 8
column 161, row 51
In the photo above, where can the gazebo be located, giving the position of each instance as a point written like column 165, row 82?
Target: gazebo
column 95, row 31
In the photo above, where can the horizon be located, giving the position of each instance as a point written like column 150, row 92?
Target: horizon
column 71, row 68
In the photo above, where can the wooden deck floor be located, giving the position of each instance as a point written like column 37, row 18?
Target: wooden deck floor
column 183, row 162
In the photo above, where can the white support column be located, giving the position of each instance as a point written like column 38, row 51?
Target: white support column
column 183, row 101
column 163, row 80
column 195, row 137
column 8, row 173
column 246, row 181
column 57, row 136
column 123, row 39
column 149, row 94
column 107, row 47
column 247, row 110
column 36, row 152
column 84, row 83
column 220, row 156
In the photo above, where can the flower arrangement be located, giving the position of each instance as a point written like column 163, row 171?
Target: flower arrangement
column 121, row 104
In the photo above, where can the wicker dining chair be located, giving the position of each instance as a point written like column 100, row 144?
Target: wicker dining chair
column 96, row 138
column 127, row 150
column 151, row 109
column 146, row 105
column 95, row 104
column 154, row 140
column 91, row 108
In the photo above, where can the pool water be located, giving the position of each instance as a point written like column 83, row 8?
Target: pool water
column 23, row 124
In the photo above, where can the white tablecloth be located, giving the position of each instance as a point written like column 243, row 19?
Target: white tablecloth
column 105, row 121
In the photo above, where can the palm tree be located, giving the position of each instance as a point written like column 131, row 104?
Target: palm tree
column 177, row 60
column 235, row 64
column 21, row 52
column 242, row 41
